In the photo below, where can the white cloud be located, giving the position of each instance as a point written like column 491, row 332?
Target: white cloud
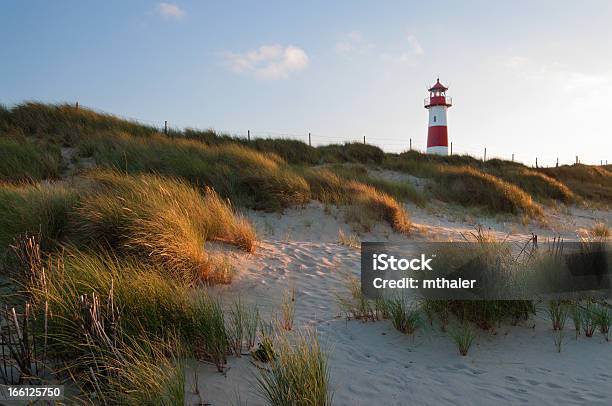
column 170, row 10
column 353, row 42
column 415, row 45
column 268, row 61
column 406, row 54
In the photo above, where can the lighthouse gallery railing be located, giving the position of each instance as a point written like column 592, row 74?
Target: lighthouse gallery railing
column 438, row 100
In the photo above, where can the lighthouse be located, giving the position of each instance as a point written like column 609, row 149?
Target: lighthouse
column 437, row 134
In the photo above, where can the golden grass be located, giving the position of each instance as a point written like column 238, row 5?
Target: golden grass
column 471, row 187
column 43, row 209
column 350, row 240
column 600, row 230
column 119, row 327
column 592, row 183
column 537, row 184
column 160, row 220
column 298, row 374
column 247, row 177
column 402, row 191
column 365, row 202
column 24, row 160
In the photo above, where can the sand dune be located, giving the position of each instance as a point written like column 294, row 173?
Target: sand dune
column 372, row 363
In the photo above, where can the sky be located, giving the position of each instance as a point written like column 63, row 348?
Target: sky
column 529, row 78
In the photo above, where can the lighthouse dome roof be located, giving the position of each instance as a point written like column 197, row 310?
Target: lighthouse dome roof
column 438, row 86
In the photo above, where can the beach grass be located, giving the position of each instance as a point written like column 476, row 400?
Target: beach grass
column 471, row 187
column 589, row 318
column 589, row 182
column 350, row 240
column 404, row 317
column 287, row 310
column 243, row 323
column 357, row 306
column 403, row 191
column 557, row 312
column 114, row 324
column 159, row 220
column 463, row 336
column 24, row 160
column 43, row 209
column 366, row 202
column 298, row 375
column 603, row 319
column 137, row 371
column 247, row 177
column 600, row 230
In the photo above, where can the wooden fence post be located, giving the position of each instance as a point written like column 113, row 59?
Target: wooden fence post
column 485, row 155
column 451, row 149
column 364, row 139
column 249, row 135
column 410, row 144
column 309, row 140
column 166, row 127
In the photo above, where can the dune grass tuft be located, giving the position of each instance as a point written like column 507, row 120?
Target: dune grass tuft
column 463, row 337
column 366, row 200
column 348, row 240
column 352, row 152
column 43, row 209
column 23, row 160
column 486, row 314
column 243, row 323
column 471, row 187
column 298, row 375
column 292, row 151
column 593, row 183
column 287, row 315
column 211, row 329
column 603, row 319
column 159, row 220
column 98, row 310
column 600, row 230
column 558, row 312
column 535, row 183
column 576, row 316
column 402, row 191
column 589, row 318
column 358, row 306
column 141, row 371
column 405, row 318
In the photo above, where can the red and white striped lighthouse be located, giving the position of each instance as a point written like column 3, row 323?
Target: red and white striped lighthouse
column 437, row 103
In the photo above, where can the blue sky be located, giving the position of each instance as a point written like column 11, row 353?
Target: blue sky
column 533, row 78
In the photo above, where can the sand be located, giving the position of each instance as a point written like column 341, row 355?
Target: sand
column 372, row 363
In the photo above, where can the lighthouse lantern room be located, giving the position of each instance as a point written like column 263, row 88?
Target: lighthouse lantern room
column 437, row 134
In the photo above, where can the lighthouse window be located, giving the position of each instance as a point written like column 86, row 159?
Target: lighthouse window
column 434, row 119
